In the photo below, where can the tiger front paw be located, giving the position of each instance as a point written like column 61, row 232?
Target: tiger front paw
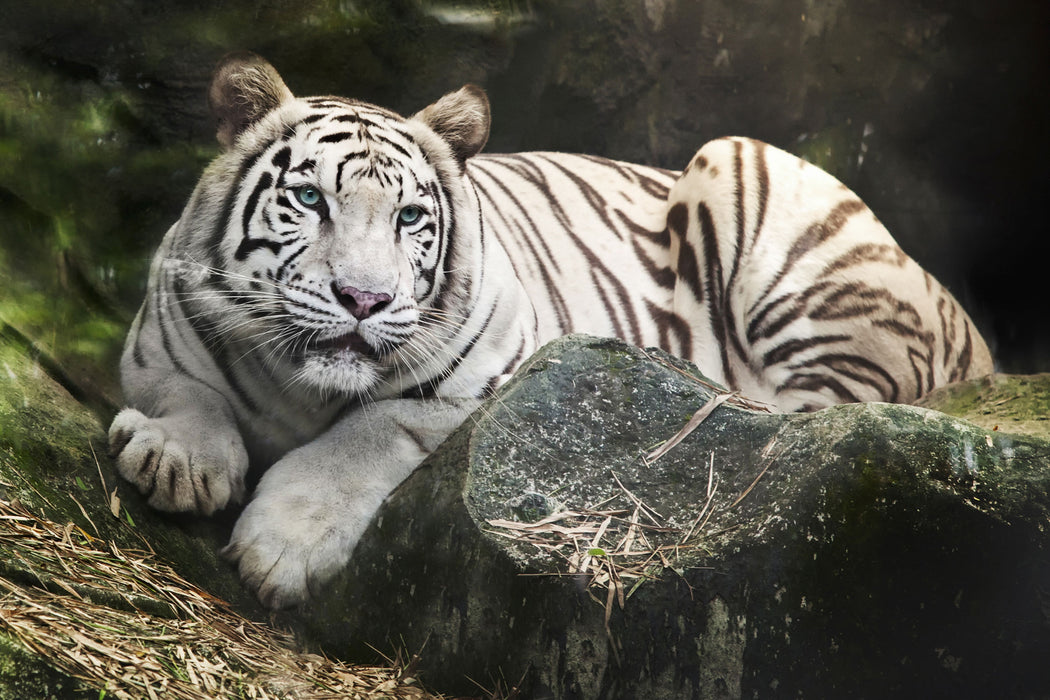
column 180, row 462
column 300, row 529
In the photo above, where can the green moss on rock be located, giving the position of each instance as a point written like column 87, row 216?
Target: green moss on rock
column 25, row 675
column 1018, row 404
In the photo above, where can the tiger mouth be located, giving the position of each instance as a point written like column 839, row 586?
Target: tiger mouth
column 348, row 342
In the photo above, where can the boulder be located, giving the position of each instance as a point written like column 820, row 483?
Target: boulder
column 862, row 551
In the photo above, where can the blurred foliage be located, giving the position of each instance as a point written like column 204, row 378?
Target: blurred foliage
column 74, row 178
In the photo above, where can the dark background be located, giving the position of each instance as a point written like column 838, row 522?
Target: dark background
column 934, row 112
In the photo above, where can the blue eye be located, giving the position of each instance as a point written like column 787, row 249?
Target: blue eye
column 409, row 215
column 308, row 196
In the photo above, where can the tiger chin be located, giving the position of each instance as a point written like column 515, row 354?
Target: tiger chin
column 345, row 285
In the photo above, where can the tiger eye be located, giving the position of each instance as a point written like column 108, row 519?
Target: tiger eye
column 308, row 196
column 409, row 215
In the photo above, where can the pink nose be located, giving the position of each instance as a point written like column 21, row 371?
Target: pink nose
column 360, row 304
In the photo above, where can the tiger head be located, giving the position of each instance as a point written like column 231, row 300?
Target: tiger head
column 337, row 225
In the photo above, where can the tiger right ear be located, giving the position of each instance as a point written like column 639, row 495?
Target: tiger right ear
column 462, row 119
column 244, row 88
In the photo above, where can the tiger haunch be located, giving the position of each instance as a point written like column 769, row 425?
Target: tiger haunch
column 346, row 284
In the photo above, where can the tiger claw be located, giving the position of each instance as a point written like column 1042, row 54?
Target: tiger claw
column 178, row 465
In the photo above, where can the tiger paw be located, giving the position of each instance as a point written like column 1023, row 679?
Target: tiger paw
column 297, row 532
column 181, row 463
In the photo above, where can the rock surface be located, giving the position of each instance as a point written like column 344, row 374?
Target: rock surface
column 862, row 551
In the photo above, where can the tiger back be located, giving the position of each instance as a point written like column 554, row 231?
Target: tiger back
column 766, row 272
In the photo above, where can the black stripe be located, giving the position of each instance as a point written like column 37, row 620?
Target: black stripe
column 598, row 205
column 664, row 276
column 558, row 303
column 962, row 366
column 428, row 388
column 811, row 238
column 816, row 382
column 740, row 211
column 865, row 253
column 545, row 191
column 337, row 137
column 308, row 164
column 788, row 349
column 687, row 267
column 446, row 232
column 927, row 362
column 722, row 323
column 396, row 146
column 860, row 369
column 762, row 176
column 283, row 158
column 279, row 274
column 947, row 326
column 249, row 244
column 668, row 323
column 794, row 312
column 219, row 232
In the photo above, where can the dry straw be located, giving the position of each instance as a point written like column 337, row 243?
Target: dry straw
column 123, row 623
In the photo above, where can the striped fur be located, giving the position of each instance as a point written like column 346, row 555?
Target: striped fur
column 345, row 284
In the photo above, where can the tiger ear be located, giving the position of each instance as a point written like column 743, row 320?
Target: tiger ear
column 244, row 88
column 462, row 119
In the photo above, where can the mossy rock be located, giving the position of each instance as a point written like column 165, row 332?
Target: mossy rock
column 861, row 551
column 1018, row 404
column 24, row 674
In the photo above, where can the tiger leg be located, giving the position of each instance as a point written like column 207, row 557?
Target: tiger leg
column 312, row 506
column 804, row 296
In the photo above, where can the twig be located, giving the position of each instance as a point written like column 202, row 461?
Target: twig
column 768, row 462
column 638, row 502
column 705, row 512
column 699, row 417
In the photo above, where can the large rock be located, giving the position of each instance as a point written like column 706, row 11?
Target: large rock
column 862, row 551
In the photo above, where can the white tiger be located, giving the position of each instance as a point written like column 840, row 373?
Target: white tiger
column 345, row 285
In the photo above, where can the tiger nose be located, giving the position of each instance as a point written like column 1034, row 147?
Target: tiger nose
column 360, row 304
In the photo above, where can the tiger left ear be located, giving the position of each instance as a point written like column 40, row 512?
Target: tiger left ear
column 244, row 88
column 462, row 119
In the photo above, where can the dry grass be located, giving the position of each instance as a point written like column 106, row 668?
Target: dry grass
column 122, row 622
